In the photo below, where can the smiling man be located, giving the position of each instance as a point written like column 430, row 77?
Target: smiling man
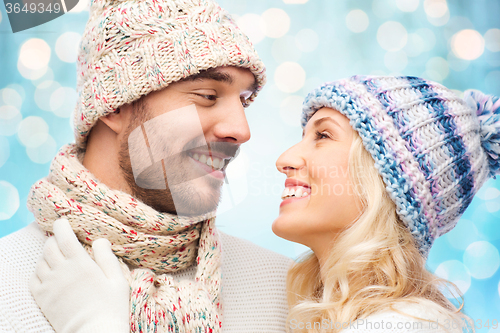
column 162, row 90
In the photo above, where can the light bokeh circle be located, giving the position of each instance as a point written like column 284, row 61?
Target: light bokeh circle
column 492, row 81
column 464, row 234
column 492, row 39
column 407, row 5
column 357, row 20
column 289, row 77
column 437, row 69
column 439, row 21
column 43, row 153
column 10, row 118
column 275, row 22
column 250, row 25
column 392, row 36
column 491, row 196
column 67, row 46
column 285, row 49
column 9, row 200
column 429, row 38
column 291, row 110
column 48, row 75
column 34, row 54
column 482, row 259
column 415, row 46
column 44, row 92
column 4, row 150
column 435, row 8
column 11, row 97
column 457, row 64
column 33, row 131
column 31, row 74
column 455, row 272
column 468, row 44
column 307, row 40
column 396, row 61
column 383, row 8
column 62, row 101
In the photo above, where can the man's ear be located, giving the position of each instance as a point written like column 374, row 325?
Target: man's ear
column 116, row 121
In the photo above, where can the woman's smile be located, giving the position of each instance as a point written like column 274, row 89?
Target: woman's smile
column 295, row 190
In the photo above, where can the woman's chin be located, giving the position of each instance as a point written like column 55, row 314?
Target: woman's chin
column 284, row 227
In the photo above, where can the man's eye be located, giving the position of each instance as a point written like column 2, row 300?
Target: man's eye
column 209, row 97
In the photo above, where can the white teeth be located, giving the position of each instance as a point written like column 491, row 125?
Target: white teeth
column 216, row 163
column 290, row 192
column 213, row 162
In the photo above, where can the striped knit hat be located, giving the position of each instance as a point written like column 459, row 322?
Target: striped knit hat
column 132, row 47
column 432, row 149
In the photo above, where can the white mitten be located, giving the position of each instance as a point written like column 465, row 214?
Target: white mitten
column 77, row 294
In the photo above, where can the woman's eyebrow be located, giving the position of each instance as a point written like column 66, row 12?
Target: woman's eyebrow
column 319, row 121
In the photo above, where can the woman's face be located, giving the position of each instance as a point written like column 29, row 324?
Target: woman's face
column 318, row 200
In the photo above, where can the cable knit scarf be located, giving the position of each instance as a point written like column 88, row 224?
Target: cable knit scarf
column 148, row 243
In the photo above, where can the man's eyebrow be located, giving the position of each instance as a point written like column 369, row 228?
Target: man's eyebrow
column 213, row 74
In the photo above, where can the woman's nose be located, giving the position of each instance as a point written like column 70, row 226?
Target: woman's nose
column 292, row 159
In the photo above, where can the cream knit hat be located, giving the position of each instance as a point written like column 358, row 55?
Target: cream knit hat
column 132, row 47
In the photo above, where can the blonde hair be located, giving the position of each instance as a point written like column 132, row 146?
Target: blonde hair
column 373, row 264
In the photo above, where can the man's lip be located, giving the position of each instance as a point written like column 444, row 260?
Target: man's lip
column 294, row 182
column 210, row 153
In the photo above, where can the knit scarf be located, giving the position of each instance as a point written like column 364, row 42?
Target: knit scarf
column 149, row 244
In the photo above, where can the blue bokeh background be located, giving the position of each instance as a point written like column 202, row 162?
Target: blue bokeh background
column 303, row 43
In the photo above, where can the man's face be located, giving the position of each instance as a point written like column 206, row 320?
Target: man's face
column 212, row 125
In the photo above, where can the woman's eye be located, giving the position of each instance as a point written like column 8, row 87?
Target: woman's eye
column 322, row 135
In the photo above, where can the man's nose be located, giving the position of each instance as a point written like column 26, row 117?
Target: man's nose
column 232, row 124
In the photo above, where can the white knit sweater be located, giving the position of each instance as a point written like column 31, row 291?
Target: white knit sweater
column 253, row 285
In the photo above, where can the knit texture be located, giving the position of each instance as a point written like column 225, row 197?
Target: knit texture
column 253, row 284
column 150, row 245
column 130, row 48
column 430, row 147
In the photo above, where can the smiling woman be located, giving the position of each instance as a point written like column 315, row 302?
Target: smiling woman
column 411, row 155
column 318, row 165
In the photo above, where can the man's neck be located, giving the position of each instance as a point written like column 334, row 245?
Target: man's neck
column 102, row 158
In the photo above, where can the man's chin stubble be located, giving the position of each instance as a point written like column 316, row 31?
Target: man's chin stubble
column 188, row 199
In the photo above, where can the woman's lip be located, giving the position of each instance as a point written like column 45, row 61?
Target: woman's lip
column 289, row 200
column 294, row 182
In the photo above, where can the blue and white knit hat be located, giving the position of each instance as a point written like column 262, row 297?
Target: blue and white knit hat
column 433, row 149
